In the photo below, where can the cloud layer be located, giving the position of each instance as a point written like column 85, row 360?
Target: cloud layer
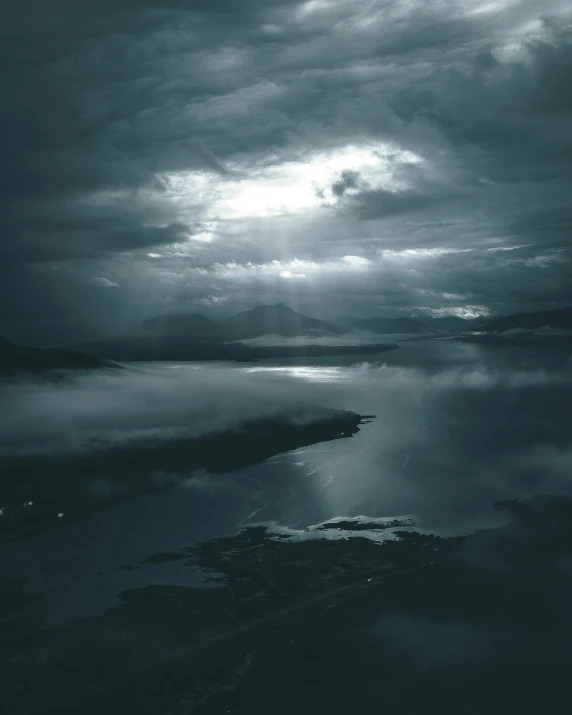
column 221, row 154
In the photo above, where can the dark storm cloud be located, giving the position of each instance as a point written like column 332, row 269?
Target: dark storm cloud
column 348, row 180
column 103, row 102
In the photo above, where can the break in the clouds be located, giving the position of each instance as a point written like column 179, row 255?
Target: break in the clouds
column 343, row 157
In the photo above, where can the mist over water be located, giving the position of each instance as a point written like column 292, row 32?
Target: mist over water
column 458, row 427
column 450, row 437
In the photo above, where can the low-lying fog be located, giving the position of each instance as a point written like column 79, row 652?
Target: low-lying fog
column 458, row 427
column 451, row 418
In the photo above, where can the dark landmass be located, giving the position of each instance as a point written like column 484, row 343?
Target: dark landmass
column 77, row 484
column 275, row 320
column 136, row 349
column 195, row 337
column 416, row 624
column 529, row 340
column 561, row 319
column 544, row 328
column 388, row 325
column 354, row 525
column 18, row 359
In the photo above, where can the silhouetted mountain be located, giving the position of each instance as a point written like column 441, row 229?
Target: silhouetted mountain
column 194, row 337
column 274, row 320
column 387, row 325
column 193, row 326
column 559, row 319
column 15, row 359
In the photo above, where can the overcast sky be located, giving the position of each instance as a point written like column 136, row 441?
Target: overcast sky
column 367, row 157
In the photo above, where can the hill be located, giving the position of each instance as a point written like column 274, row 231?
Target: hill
column 559, row 319
column 196, row 337
column 275, row 320
column 16, row 359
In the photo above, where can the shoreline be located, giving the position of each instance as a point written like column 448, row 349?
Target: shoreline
column 69, row 484
column 277, row 609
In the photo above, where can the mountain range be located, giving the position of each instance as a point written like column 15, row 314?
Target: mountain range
column 195, row 337
column 558, row 319
column 542, row 328
column 263, row 320
column 278, row 320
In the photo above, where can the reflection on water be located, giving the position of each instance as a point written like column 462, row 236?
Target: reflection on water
column 312, row 373
column 458, row 427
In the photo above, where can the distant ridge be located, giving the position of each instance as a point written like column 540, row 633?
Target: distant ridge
column 194, row 337
column 275, row 320
column 16, row 359
column 262, row 320
column 560, row 319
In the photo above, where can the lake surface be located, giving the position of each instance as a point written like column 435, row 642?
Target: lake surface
column 458, row 427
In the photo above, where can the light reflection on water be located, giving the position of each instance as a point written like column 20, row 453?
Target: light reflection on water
column 312, row 373
column 454, row 432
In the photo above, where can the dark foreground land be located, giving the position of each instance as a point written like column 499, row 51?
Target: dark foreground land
column 35, row 489
column 418, row 624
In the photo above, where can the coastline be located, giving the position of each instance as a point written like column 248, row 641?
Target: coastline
column 316, row 614
column 68, row 485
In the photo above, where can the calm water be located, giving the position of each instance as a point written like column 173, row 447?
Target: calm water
column 458, row 427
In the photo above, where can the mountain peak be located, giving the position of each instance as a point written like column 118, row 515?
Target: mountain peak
column 277, row 319
column 277, row 308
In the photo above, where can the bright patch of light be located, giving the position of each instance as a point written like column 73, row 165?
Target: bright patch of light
column 206, row 234
column 496, row 249
column 313, row 6
column 104, row 282
column 491, row 6
column 296, row 268
column 356, row 260
column 307, row 373
column 409, row 253
column 444, row 296
column 289, row 275
column 459, row 311
column 213, row 300
column 285, row 187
